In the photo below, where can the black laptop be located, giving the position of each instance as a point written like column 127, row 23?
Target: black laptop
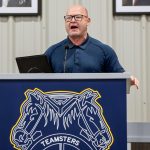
column 34, row 64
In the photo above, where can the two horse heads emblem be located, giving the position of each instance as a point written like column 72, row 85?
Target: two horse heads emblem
column 61, row 119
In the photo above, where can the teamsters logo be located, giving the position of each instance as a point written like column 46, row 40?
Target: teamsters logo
column 61, row 120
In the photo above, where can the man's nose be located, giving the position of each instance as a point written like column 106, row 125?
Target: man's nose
column 73, row 19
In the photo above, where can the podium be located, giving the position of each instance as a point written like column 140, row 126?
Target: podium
column 68, row 111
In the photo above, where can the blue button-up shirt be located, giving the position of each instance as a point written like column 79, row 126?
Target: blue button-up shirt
column 92, row 56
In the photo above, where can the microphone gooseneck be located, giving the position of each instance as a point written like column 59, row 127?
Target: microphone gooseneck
column 65, row 58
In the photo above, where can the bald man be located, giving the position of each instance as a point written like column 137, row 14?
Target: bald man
column 79, row 52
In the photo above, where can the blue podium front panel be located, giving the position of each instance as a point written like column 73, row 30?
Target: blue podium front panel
column 63, row 114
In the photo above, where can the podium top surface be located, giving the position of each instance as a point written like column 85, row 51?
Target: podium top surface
column 45, row 76
column 138, row 132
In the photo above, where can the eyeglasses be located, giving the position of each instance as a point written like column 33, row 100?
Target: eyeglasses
column 68, row 18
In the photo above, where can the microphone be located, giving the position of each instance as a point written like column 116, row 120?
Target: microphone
column 65, row 58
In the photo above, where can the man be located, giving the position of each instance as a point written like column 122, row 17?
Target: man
column 80, row 53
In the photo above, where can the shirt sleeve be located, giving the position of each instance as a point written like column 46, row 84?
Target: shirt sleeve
column 112, row 63
column 48, row 53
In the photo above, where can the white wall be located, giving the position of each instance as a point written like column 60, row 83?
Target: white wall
column 128, row 35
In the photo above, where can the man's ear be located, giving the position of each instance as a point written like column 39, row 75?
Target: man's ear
column 89, row 21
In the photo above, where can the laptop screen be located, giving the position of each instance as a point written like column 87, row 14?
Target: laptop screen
column 34, row 64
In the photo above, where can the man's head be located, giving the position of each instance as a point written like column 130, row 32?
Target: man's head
column 76, row 21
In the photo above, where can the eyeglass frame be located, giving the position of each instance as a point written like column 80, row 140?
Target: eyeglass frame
column 74, row 16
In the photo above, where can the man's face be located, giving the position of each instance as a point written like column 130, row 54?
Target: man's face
column 76, row 22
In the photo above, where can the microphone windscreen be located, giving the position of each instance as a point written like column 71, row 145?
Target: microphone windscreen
column 66, row 47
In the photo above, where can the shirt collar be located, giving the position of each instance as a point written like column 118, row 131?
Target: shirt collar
column 82, row 46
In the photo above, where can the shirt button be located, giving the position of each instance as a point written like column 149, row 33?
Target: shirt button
column 77, row 56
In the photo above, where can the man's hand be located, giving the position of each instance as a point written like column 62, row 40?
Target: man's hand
column 134, row 81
